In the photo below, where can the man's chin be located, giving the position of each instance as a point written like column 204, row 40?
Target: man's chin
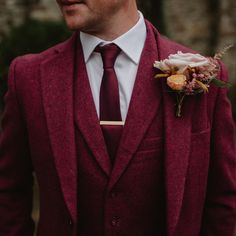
column 76, row 24
column 73, row 24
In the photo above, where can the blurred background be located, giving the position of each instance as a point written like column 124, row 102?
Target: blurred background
column 30, row 26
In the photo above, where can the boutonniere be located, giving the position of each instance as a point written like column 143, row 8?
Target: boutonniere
column 190, row 74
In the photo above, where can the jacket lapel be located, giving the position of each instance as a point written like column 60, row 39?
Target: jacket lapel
column 177, row 143
column 86, row 116
column 56, row 74
column 177, row 148
column 143, row 107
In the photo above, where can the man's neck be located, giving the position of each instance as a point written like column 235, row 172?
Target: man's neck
column 118, row 25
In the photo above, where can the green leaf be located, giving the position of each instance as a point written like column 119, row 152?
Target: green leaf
column 220, row 83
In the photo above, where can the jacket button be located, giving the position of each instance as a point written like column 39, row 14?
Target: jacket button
column 113, row 194
column 115, row 222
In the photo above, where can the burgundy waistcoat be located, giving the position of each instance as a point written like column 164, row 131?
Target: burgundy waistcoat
column 135, row 205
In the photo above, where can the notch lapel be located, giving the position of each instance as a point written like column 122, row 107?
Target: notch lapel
column 177, row 143
column 86, row 116
column 143, row 107
column 177, row 148
column 56, row 74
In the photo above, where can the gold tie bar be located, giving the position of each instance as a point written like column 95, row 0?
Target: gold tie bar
column 104, row 122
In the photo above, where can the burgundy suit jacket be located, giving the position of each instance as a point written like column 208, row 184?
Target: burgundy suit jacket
column 38, row 135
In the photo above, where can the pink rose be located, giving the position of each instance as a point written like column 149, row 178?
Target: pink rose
column 181, row 61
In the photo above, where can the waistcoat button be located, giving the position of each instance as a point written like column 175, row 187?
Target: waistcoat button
column 115, row 221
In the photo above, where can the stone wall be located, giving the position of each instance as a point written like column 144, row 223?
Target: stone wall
column 46, row 10
column 188, row 23
column 204, row 25
column 14, row 12
column 11, row 13
column 227, row 34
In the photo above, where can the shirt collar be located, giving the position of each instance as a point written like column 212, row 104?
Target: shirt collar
column 131, row 43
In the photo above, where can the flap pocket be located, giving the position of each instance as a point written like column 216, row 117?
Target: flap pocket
column 149, row 144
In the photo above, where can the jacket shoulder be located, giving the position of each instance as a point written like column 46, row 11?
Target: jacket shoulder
column 27, row 67
column 29, row 60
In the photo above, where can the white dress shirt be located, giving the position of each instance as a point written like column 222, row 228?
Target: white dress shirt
column 126, row 65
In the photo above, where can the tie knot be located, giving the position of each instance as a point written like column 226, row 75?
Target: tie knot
column 109, row 54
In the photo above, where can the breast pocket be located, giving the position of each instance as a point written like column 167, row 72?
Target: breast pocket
column 200, row 150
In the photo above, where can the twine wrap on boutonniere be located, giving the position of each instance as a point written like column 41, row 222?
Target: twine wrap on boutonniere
column 190, row 74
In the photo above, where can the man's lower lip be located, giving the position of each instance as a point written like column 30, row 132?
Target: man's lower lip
column 71, row 6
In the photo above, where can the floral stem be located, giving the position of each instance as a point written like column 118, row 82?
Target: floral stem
column 180, row 99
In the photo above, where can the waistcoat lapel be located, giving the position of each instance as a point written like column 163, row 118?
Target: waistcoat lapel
column 143, row 107
column 56, row 74
column 86, row 116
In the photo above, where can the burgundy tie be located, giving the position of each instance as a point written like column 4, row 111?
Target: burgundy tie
column 109, row 99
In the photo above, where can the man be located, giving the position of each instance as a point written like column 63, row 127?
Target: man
column 135, row 170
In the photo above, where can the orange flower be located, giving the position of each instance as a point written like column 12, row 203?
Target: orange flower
column 177, row 82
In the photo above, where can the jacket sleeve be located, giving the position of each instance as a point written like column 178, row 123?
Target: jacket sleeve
column 16, row 178
column 220, row 207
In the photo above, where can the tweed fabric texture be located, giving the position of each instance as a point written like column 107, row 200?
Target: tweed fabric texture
column 38, row 134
